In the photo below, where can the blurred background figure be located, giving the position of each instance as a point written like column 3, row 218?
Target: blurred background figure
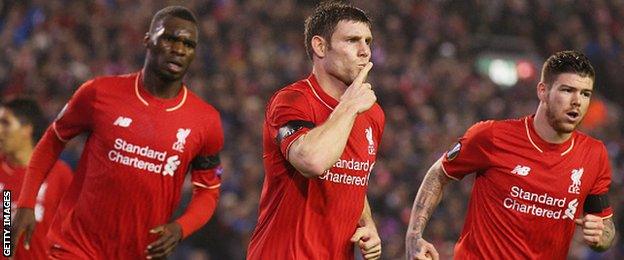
column 21, row 126
column 440, row 66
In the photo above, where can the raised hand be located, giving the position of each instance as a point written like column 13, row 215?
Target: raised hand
column 359, row 94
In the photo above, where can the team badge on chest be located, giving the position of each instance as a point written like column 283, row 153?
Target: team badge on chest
column 575, row 187
column 182, row 134
column 369, row 138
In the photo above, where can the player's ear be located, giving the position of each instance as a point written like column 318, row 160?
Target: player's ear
column 146, row 39
column 542, row 91
column 319, row 46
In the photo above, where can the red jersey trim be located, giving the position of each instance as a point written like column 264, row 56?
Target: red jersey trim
column 136, row 91
column 526, row 126
column 317, row 96
column 57, row 133
column 444, row 170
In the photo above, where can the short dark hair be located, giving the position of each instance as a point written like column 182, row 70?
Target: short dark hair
column 325, row 18
column 567, row 62
column 28, row 112
column 175, row 11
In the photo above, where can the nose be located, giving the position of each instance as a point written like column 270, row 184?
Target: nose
column 177, row 47
column 364, row 50
column 576, row 99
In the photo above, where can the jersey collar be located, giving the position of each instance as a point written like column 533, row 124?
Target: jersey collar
column 543, row 146
column 320, row 94
column 169, row 104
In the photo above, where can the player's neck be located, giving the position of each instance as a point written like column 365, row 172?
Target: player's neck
column 330, row 84
column 21, row 157
column 158, row 87
column 545, row 130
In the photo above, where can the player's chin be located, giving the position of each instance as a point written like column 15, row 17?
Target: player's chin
column 565, row 127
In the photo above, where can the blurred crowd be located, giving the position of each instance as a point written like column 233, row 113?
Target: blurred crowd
column 424, row 76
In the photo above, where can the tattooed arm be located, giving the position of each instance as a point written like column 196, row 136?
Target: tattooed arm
column 598, row 233
column 427, row 199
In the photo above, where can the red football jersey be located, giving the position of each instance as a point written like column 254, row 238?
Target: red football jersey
column 527, row 192
column 48, row 198
column 301, row 218
column 129, row 177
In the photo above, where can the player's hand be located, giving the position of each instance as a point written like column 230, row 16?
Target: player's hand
column 593, row 228
column 360, row 95
column 418, row 248
column 368, row 240
column 170, row 236
column 23, row 223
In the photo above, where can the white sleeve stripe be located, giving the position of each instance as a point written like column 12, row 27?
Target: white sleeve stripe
column 444, row 170
column 206, row 187
column 57, row 133
column 610, row 215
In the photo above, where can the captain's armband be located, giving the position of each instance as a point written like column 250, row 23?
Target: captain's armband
column 292, row 127
column 205, row 162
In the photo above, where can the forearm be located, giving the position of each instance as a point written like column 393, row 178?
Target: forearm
column 427, row 199
column 367, row 217
column 44, row 157
column 321, row 147
column 608, row 236
column 199, row 210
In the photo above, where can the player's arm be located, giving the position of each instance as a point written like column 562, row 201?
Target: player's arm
column 206, row 179
column 427, row 199
column 75, row 118
column 366, row 235
column 317, row 150
column 42, row 161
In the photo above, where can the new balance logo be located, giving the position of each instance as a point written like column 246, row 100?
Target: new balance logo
column 521, row 170
column 123, row 121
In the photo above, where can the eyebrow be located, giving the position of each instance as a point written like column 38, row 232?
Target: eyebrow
column 581, row 89
column 178, row 38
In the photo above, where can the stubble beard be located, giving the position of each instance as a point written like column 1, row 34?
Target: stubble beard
column 559, row 125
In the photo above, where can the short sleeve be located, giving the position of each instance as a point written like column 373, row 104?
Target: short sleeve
column 206, row 166
column 471, row 152
column 288, row 117
column 603, row 181
column 76, row 116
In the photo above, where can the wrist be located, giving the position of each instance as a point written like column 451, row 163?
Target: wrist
column 346, row 108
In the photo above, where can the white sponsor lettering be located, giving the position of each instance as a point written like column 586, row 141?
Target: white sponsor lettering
column 121, row 149
column 344, row 178
column 537, row 204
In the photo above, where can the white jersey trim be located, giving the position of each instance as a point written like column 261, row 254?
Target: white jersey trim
column 526, row 126
column 206, row 187
column 317, row 96
column 136, row 91
column 444, row 170
column 57, row 133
